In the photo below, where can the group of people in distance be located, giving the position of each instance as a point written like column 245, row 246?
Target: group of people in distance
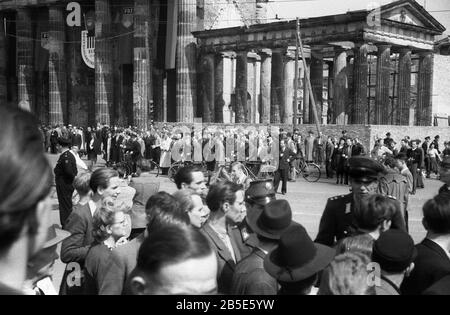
column 232, row 237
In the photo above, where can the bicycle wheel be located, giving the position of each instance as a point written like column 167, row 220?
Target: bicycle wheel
column 311, row 172
column 253, row 169
column 173, row 171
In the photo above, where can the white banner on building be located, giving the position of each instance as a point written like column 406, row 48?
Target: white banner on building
column 88, row 49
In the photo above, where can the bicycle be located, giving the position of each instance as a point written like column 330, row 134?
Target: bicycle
column 309, row 171
column 149, row 166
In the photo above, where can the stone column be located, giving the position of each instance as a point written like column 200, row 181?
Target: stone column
column 207, row 88
column 219, row 101
column 360, row 74
column 142, row 81
column 340, row 90
column 158, row 93
column 404, row 88
column 330, row 82
column 3, row 64
column 277, row 89
column 289, row 78
column 241, row 87
column 317, row 85
column 251, row 87
column 425, row 90
column 57, row 66
column 266, row 79
column 186, row 61
column 382, row 101
column 306, row 97
column 103, row 62
column 25, row 61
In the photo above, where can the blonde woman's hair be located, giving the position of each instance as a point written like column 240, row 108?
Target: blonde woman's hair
column 347, row 275
column 103, row 217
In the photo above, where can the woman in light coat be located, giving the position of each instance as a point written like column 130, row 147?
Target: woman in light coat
column 166, row 156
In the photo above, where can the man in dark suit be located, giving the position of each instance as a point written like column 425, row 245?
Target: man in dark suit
column 226, row 200
column 286, row 156
column 53, row 141
column 425, row 147
column 357, row 148
column 415, row 163
column 65, row 173
column 268, row 223
column 75, row 248
column 104, row 184
column 433, row 260
column 442, row 287
column 338, row 220
column 329, row 150
column 444, row 175
column 77, row 139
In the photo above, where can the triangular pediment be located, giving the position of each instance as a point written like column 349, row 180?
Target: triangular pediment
column 403, row 15
column 409, row 12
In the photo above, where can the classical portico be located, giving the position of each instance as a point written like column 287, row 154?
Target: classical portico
column 366, row 67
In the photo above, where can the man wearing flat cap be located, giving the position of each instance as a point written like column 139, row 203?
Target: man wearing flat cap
column 65, row 173
column 337, row 220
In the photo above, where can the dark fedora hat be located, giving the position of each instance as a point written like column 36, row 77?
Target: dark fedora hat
column 55, row 235
column 297, row 258
column 48, row 254
column 271, row 220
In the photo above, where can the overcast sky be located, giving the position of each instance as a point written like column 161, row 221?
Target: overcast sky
column 290, row 9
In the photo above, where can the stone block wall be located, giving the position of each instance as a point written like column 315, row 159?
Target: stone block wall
column 441, row 85
column 399, row 132
column 366, row 134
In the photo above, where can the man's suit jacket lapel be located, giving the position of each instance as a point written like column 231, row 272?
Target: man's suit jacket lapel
column 222, row 249
column 435, row 248
column 234, row 233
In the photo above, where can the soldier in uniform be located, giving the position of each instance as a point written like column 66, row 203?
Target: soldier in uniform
column 444, row 175
column 337, row 220
column 65, row 173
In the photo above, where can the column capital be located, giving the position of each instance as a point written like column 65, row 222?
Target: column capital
column 424, row 54
column 241, row 53
column 227, row 54
column 290, row 54
column 404, row 50
column 339, row 50
column 253, row 55
column 358, row 45
column 383, row 47
column 279, row 50
column 265, row 52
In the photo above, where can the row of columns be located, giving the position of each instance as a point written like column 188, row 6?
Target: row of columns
column 384, row 114
column 277, row 87
column 264, row 99
column 104, row 78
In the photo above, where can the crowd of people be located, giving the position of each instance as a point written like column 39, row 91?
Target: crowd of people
column 124, row 236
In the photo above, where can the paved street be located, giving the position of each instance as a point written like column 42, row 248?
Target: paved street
column 308, row 201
